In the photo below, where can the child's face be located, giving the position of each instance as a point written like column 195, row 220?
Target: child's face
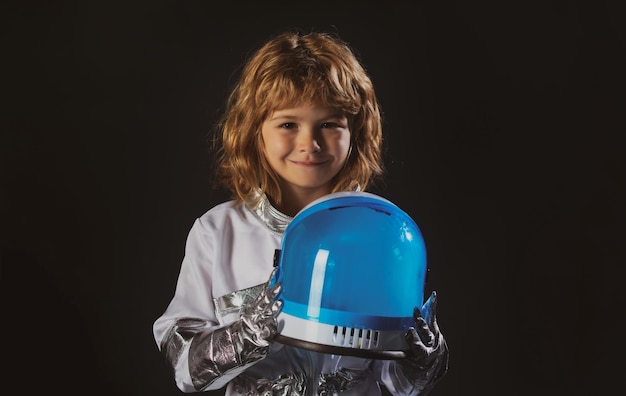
column 306, row 146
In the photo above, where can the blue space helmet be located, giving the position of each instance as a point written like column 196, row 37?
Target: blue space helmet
column 352, row 267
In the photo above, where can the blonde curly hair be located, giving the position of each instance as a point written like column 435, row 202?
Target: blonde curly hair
column 295, row 68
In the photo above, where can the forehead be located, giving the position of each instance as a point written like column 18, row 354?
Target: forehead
column 289, row 95
column 313, row 111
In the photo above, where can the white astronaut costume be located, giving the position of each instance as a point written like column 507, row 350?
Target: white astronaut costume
column 228, row 259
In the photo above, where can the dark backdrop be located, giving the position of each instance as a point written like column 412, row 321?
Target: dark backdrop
column 502, row 124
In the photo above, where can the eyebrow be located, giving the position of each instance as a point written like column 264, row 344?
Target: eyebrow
column 282, row 116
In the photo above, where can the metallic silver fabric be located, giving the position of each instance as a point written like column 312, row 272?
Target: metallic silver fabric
column 233, row 302
column 428, row 360
column 178, row 336
column 297, row 384
column 340, row 381
column 293, row 384
column 211, row 354
column 259, row 325
column 270, row 216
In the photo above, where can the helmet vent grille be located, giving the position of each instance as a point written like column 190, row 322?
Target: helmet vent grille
column 356, row 338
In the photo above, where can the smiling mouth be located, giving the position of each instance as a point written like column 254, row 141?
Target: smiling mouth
column 307, row 163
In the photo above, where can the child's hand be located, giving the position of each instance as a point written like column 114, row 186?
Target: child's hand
column 427, row 360
column 259, row 318
column 231, row 348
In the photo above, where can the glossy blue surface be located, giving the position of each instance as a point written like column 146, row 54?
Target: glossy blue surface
column 354, row 260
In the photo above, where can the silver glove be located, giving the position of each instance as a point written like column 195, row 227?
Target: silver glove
column 427, row 360
column 234, row 347
column 258, row 326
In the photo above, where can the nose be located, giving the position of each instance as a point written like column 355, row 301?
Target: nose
column 308, row 141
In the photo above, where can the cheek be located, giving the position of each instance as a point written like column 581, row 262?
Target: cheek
column 341, row 144
column 274, row 147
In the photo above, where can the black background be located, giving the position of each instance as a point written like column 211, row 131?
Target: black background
column 502, row 120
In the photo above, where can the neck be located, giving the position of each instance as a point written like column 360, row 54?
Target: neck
column 294, row 201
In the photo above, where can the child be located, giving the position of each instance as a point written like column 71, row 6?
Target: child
column 302, row 122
